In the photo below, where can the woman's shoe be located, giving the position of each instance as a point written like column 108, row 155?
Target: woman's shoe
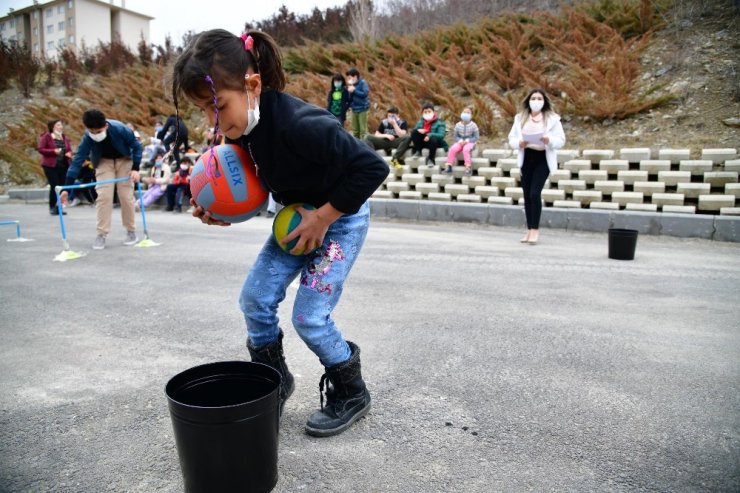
column 525, row 239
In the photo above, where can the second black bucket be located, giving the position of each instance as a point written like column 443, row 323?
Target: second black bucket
column 622, row 243
column 225, row 420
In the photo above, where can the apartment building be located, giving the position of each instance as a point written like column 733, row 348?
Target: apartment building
column 48, row 27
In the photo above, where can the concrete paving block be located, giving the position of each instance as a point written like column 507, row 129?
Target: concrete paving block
column 565, row 155
column 440, row 196
column 613, row 166
column 486, row 191
column 672, row 178
column 473, row 181
column 589, row 220
column 506, row 164
column 715, row 202
column 653, row 166
column 567, row 204
column 403, row 209
column 634, row 154
column 515, row 193
column 428, row 172
column 479, row 162
column 503, row 182
column 550, row 195
column 577, row 165
column 559, row 174
column 674, row 155
column 726, row 228
column 629, row 177
column 644, row 222
column 667, row 199
column 570, row 185
column 427, row 188
column 468, row 197
column 729, row 211
column 500, row 200
column 720, row 178
column 554, row 217
column 624, row 198
column 493, row 155
column 590, row 176
column 596, row 155
column 685, row 225
column 442, row 180
column 693, row 190
column 455, row 188
column 413, row 178
column 604, row 205
column 506, row 215
column 399, row 172
column 731, row 165
column 391, row 177
column 641, row 207
column 398, row 186
column 680, row 209
column 457, row 171
column 733, row 189
column 490, row 172
column 696, row 167
column 410, row 195
column 585, row 197
column 29, row 194
column 717, row 156
column 608, row 187
column 648, row 187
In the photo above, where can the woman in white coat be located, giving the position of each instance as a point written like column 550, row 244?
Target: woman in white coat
column 537, row 133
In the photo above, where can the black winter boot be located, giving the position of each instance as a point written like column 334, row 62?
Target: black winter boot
column 347, row 398
column 272, row 355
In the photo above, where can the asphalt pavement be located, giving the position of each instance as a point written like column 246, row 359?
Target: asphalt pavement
column 493, row 366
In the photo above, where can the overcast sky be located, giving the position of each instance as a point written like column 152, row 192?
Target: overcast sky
column 176, row 17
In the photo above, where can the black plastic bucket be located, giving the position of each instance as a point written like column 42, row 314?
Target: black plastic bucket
column 622, row 243
column 225, row 421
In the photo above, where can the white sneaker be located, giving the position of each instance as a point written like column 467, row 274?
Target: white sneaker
column 130, row 238
column 99, row 242
column 75, row 202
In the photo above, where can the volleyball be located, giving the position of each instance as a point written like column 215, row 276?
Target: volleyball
column 224, row 182
column 286, row 221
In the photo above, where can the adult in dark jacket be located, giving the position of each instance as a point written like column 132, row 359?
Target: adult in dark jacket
column 56, row 151
column 115, row 152
column 174, row 133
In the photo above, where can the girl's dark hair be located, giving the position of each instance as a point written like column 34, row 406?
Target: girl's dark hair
column 222, row 56
column 339, row 77
column 50, row 124
column 427, row 106
column 545, row 107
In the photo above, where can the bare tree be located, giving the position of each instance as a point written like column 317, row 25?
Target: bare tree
column 363, row 26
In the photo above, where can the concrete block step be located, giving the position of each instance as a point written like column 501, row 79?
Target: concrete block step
column 696, row 167
column 680, row 209
column 486, row 191
column 641, row 207
column 693, row 190
column 490, row 172
column 442, row 180
column 493, row 155
column 559, row 174
column 674, row 155
column 454, row 189
column 719, row 155
column 731, row 165
column 382, row 194
column 590, row 176
column 596, row 155
column 634, row 154
column 653, row 166
column 503, row 182
column 629, row 177
column 468, row 197
column 501, row 200
column 648, row 187
column 398, row 186
column 613, row 166
column 569, row 185
column 613, row 206
column 567, row 204
column 577, row 165
column 551, row 195
column 624, row 198
column 672, row 178
column 410, row 195
column 427, row 188
column 713, row 203
column 506, row 164
column 608, row 187
column 440, row 197
column 515, row 193
column 473, row 181
column 585, row 197
column 516, row 173
column 720, row 178
column 667, row 199
column 732, row 189
column 413, row 178
column 565, row 155
column 729, row 211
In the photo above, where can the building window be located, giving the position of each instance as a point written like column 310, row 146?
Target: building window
column 50, row 29
column 70, row 4
column 12, row 23
column 49, row 12
column 35, row 14
column 60, row 43
column 50, row 45
column 71, row 40
column 60, row 9
column 35, row 31
column 60, row 26
column 36, row 47
column 2, row 26
column 70, row 22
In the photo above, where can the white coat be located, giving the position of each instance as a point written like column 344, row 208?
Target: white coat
column 553, row 130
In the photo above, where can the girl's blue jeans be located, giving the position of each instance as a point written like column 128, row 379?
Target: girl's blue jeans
column 322, row 276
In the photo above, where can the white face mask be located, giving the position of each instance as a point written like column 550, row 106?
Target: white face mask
column 253, row 117
column 99, row 137
column 184, row 167
column 536, row 104
column 428, row 116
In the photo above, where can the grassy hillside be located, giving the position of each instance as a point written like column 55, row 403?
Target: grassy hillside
column 587, row 58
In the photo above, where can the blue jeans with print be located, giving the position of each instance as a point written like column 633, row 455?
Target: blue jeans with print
column 322, row 276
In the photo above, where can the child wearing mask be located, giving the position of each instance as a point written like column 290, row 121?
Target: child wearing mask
column 466, row 136
column 337, row 100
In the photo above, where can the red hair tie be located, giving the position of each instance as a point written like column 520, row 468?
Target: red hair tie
column 248, row 41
